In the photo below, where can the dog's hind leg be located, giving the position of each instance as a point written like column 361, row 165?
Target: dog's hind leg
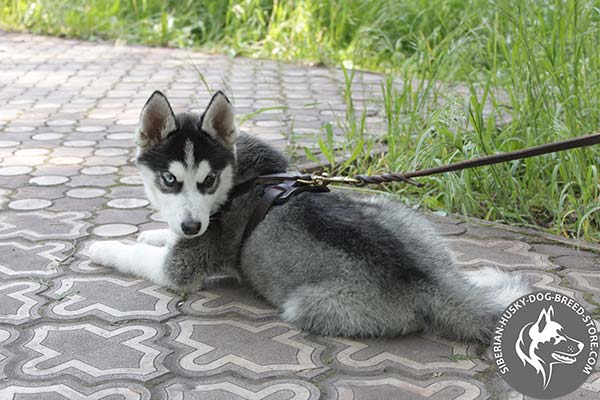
column 335, row 309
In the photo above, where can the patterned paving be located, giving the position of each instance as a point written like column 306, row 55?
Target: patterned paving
column 70, row 329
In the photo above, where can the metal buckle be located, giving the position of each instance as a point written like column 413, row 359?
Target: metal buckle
column 324, row 179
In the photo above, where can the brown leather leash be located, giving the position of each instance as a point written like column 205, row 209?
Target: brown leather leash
column 281, row 186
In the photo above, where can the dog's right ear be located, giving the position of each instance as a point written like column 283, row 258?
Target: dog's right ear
column 156, row 121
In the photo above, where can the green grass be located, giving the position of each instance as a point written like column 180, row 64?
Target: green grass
column 372, row 34
column 535, row 61
column 546, row 77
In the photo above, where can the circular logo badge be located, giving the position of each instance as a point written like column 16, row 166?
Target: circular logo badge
column 545, row 345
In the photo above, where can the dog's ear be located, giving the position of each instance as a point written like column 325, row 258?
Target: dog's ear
column 544, row 318
column 219, row 120
column 156, row 121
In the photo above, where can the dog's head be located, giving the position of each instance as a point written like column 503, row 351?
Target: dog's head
column 187, row 161
column 544, row 343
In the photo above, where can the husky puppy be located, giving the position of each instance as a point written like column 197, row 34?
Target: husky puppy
column 334, row 264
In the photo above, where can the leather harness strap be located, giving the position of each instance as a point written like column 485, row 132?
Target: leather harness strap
column 276, row 195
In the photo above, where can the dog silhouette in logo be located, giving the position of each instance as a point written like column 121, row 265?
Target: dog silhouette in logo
column 543, row 344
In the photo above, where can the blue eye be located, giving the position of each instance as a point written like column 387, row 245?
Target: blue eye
column 168, row 178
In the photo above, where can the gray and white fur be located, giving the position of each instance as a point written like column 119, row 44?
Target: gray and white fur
column 335, row 264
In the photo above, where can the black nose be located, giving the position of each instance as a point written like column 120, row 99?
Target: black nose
column 191, row 227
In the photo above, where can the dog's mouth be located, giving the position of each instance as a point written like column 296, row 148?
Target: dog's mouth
column 564, row 358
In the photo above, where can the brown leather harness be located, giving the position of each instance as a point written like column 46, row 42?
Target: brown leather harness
column 280, row 187
column 276, row 195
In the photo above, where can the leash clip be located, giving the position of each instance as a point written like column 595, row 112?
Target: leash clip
column 324, row 179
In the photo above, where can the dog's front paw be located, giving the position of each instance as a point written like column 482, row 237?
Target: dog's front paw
column 158, row 237
column 109, row 253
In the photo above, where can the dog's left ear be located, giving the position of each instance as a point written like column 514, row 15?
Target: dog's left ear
column 219, row 120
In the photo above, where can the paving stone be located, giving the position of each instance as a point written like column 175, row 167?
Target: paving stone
column 22, row 160
column 540, row 280
column 121, row 136
column 7, row 152
column 559, row 250
column 49, row 180
column 157, row 217
column 86, row 193
column 7, row 336
column 578, row 262
column 72, row 204
column 13, row 182
column 61, row 170
column 127, row 203
column 112, row 216
column 592, row 386
column 44, row 225
column 115, row 161
column 236, row 388
column 61, row 122
column 80, row 143
column 15, row 170
column 29, row 204
column 92, row 180
column 420, row 355
column 398, row 387
column 99, row 170
column 91, row 128
column 93, row 352
column 47, row 136
column 447, row 228
column 111, row 152
column 20, row 302
column 588, row 283
column 110, row 298
column 72, row 153
column 209, row 347
column 73, row 391
column 66, row 160
column 120, row 192
column 8, row 143
column 489, row 232
column 509, row 254
column 18, row 259
column 132, row 180
column 31, row 152
column 44, row 193
column 228, row 299
column 114, row 230
column 86, row 266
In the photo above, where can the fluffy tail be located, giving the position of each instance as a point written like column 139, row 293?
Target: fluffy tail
column 470, row 306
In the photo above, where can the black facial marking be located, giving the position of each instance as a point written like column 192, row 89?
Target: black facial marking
column 172, row 149
column 210, row 184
